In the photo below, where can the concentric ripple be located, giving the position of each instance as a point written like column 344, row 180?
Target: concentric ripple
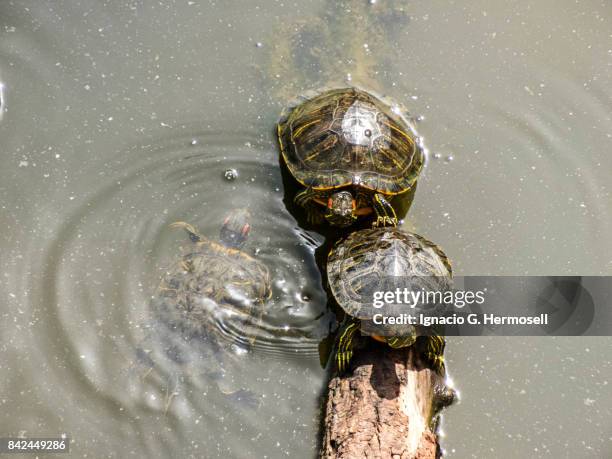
column 103, row 262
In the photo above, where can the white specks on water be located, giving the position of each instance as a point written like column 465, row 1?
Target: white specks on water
column 193, row 142
column 24, row 163
column 2, row 107
column 259, row 44
column 449, row 158
column 589, row 402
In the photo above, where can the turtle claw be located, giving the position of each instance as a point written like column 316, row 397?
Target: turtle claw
column 343, row 359
column 385, row 213
column 384, row 221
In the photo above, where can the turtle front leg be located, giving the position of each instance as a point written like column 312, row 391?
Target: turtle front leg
column 305, row 199
column 385, row 213
column 344, row 351
column 191, row 231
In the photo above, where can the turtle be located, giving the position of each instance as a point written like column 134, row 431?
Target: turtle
column 213, row 287
column 365, row 262
column 213, row 278
column 352, row 154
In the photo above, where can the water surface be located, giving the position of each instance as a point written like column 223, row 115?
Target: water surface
column 119, row 119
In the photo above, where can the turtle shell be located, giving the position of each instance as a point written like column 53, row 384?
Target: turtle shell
column 348, row 137
column 366, row 260
column 212, row 285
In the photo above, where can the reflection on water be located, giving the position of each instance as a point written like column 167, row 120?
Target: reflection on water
column 121, row 119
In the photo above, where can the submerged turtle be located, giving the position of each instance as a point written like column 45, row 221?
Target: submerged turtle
column 209, row 303
column 365, row 262
column 213, row 279
column 352, row 153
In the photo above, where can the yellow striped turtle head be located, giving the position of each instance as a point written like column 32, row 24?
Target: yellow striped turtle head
column 341, row 209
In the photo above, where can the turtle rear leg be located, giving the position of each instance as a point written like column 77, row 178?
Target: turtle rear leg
column 305, row 199
column 385, row 213
column 433, row 351
column 344, row 351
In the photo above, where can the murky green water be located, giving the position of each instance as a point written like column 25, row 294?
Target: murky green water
column 120, row 118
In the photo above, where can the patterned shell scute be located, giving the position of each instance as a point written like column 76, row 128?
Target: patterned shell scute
column 368, row 259
column 348, row 137
column 210, row 284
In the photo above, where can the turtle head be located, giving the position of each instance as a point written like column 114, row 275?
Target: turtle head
column 341, row 209
column 236, row 228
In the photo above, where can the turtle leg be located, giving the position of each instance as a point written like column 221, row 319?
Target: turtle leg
column 344, row 351
column 434, row 352
column 191, row 231
column 305, row 199
column 305, row 196
column 385, row 214
column 397, row 342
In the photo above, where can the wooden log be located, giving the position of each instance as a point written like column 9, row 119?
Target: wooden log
column 382, row 407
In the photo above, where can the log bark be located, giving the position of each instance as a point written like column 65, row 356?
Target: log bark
column 382, row 408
